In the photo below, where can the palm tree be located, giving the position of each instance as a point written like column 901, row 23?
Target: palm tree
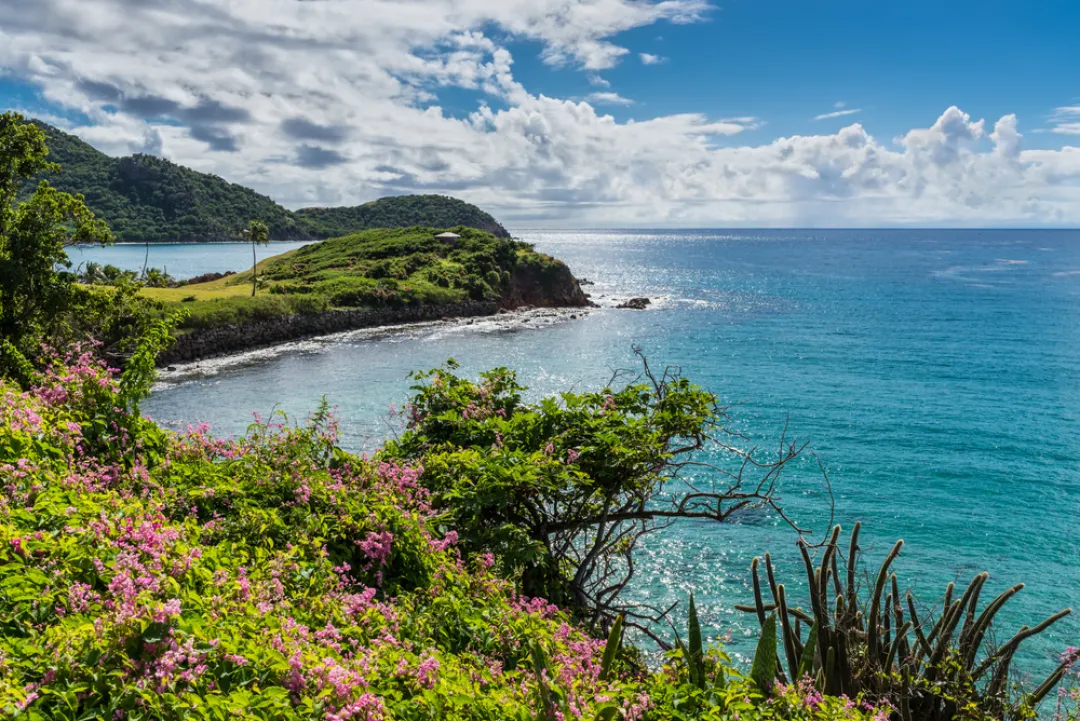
column 258, row 234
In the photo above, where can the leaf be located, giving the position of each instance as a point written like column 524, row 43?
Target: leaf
column 763, row 671
column 694, row 661
column 540, row 664
column 806, row 663
column 612, row 648
column 607, row 713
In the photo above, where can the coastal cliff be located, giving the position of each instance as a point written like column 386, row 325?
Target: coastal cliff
column 547, row 284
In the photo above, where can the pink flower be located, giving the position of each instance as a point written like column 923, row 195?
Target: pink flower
column 449, row 539
column 377, row 547
column 428, row 672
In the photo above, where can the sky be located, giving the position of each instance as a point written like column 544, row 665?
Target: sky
column 583, row 113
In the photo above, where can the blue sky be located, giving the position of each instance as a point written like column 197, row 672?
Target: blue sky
column 584, row 112
column 788, row 61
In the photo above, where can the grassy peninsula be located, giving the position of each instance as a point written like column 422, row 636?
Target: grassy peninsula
column 384, row 268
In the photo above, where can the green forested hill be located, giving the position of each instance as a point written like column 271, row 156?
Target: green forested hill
column 143, row 197
column 403, row 211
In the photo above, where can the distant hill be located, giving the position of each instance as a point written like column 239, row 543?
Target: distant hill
column 402, row 211
column 143, row 197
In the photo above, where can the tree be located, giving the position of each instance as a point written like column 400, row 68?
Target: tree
column 563, row 490
column 258, row 234
column 34, row 295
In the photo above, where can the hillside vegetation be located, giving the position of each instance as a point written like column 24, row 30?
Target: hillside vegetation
column 435, row 211
column 377, row 269
column 146, row 198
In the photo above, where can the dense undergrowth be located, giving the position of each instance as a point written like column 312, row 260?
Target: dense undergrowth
column 151, row 575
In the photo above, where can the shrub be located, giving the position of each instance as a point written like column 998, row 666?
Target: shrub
column 147, row 575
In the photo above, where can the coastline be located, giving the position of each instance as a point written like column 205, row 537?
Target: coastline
column 530, row 318
column 207, row 343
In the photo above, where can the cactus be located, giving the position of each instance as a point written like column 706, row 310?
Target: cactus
column 872, row 643
column 763, row 672
column 806, row 663
column 695, row 659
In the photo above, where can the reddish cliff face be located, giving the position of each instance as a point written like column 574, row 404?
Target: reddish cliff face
column 547, row 285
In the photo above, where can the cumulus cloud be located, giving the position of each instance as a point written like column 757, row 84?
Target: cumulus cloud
column 337, row 102
column 650, row 59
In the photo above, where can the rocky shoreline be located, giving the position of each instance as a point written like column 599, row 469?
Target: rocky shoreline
column 226, row 340
column 550, row 286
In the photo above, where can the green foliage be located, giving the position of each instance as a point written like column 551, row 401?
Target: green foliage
column 150, row 576
column 145, row 575
column 928, row 669
column 561, row 490
column 726, row 695
column 395, row 267
column 145, row 198
column 385, row 268
column 258, row 234
column 96, row 274
column 434, row 211
column 611, row 648
column 140, row 369
column 243, row 309
column 35, row 298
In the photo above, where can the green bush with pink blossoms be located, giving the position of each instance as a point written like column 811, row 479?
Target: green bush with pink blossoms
column 152, row 575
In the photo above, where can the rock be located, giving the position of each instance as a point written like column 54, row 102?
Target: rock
column 635, row 304
column 585, row 281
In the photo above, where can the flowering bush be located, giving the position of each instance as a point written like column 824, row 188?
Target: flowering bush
column 149, row 575
column 1068, row 695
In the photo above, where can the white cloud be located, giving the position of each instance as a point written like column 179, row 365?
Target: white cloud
column 1067, row 120
column 336, row 103
column 838, row 113
column 608, row 98
column 650, row 59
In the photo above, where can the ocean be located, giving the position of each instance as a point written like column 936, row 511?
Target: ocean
column 935, row 374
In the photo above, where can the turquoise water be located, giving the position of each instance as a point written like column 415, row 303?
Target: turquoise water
column 181, row 260
column 935, row 373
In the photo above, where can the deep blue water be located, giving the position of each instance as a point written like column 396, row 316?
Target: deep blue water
column 935, row 373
